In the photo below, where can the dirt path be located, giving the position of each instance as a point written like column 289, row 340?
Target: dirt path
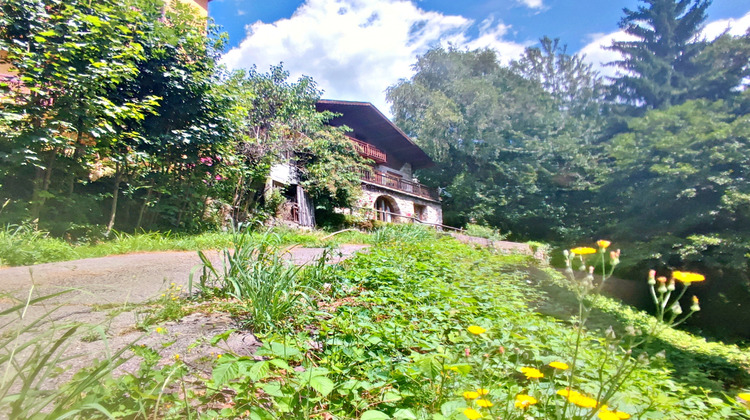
column 109, row 293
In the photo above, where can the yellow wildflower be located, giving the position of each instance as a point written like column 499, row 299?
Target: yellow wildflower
column 159, row 330
column 622, row 415
column 472, row 414
column 744, row 396
column 688, row 277
column 483, row 391
column 524, row 401
column 471, row 395
column 177, row 357
column 583, row 250
column 583, row 401
column 559, row 365
column 484, row 403
column 603, row 244
column 605, row 414
column 476, row 329
column 567, row 393
column 532, row 373
column 577, row 398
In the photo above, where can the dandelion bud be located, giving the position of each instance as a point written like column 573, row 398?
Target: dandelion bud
column 652, row 277
column 590, row 276
column 501, row 350
column 670, row 286
column 662, row 284
column 566, row 253
column 610, row 333
column 614, row 257
column 676, row 308
column 630, row 330
column 695, row 307
column 467, row 352
column 582, row 268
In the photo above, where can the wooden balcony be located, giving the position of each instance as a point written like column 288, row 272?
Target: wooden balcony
column 394, row 182
column 368, row 151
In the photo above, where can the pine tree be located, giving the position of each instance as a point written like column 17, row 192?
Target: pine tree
column 659, row 64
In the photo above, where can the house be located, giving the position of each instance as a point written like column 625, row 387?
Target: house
column 390, row 192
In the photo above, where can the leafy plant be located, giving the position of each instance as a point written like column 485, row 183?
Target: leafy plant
column 260, row 277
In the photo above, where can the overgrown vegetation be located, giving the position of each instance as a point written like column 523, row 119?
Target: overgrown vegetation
column 414, row 328
column 548, row 150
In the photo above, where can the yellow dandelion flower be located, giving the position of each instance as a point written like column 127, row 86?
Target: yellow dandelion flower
column 532, row 373
column 688, row 277
column 603, row 244
column 471, row 395
column 744, row 396
column 483, row 391
column 472, row 414
column 583, row 250
column 159, row 330
column 622, row 415
column 476, row 329
column 177, row 357
column 559, row 365
column 605, row 414
column 218, row 356
column 568, row 393
column 484, row 403
column 524, row 401
column 583, row 401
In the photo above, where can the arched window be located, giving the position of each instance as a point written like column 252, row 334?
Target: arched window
column 384, row 206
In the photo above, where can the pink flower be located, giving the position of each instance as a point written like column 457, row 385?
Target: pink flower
column 218, row 177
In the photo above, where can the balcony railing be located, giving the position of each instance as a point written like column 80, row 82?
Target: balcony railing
column 379, row 178
column 368, row 151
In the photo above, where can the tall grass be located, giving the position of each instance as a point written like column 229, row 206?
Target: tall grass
column 25, row 245
column 258, row 275
column 403, row 233
column 31, row 354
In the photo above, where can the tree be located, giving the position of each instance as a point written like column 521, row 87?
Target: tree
column 679, row 197
column 657, row 66
column 69, row 56
column 508, row 153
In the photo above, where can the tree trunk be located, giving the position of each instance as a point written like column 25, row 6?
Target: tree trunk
column 143, row 207
column 115, row 194
column 41, row 187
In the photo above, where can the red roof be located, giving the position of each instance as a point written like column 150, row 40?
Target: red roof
column 370, row 125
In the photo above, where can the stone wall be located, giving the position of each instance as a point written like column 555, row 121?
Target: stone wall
column 433, row 212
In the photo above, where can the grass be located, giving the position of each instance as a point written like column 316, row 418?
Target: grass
column 24, row 245
column 387, row 338
column 385, row 335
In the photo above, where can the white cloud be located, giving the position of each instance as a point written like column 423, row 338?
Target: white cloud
column 534, row 4
column 355, row 49
column 597, row 55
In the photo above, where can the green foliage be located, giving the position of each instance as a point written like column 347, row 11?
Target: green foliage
column 25, row 245
column 401, row 232
column 480, row 231
column 668, row 63
column 269, row 287
column 31, row 351
column 683, row 169
column 509, row 153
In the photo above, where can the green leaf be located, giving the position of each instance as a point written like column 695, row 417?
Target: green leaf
column 258, row 371
column 224, row 372
column 374, row 415
column 404, row 413
column 322, row 384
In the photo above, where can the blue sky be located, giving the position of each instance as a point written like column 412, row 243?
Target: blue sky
column 355, row 49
